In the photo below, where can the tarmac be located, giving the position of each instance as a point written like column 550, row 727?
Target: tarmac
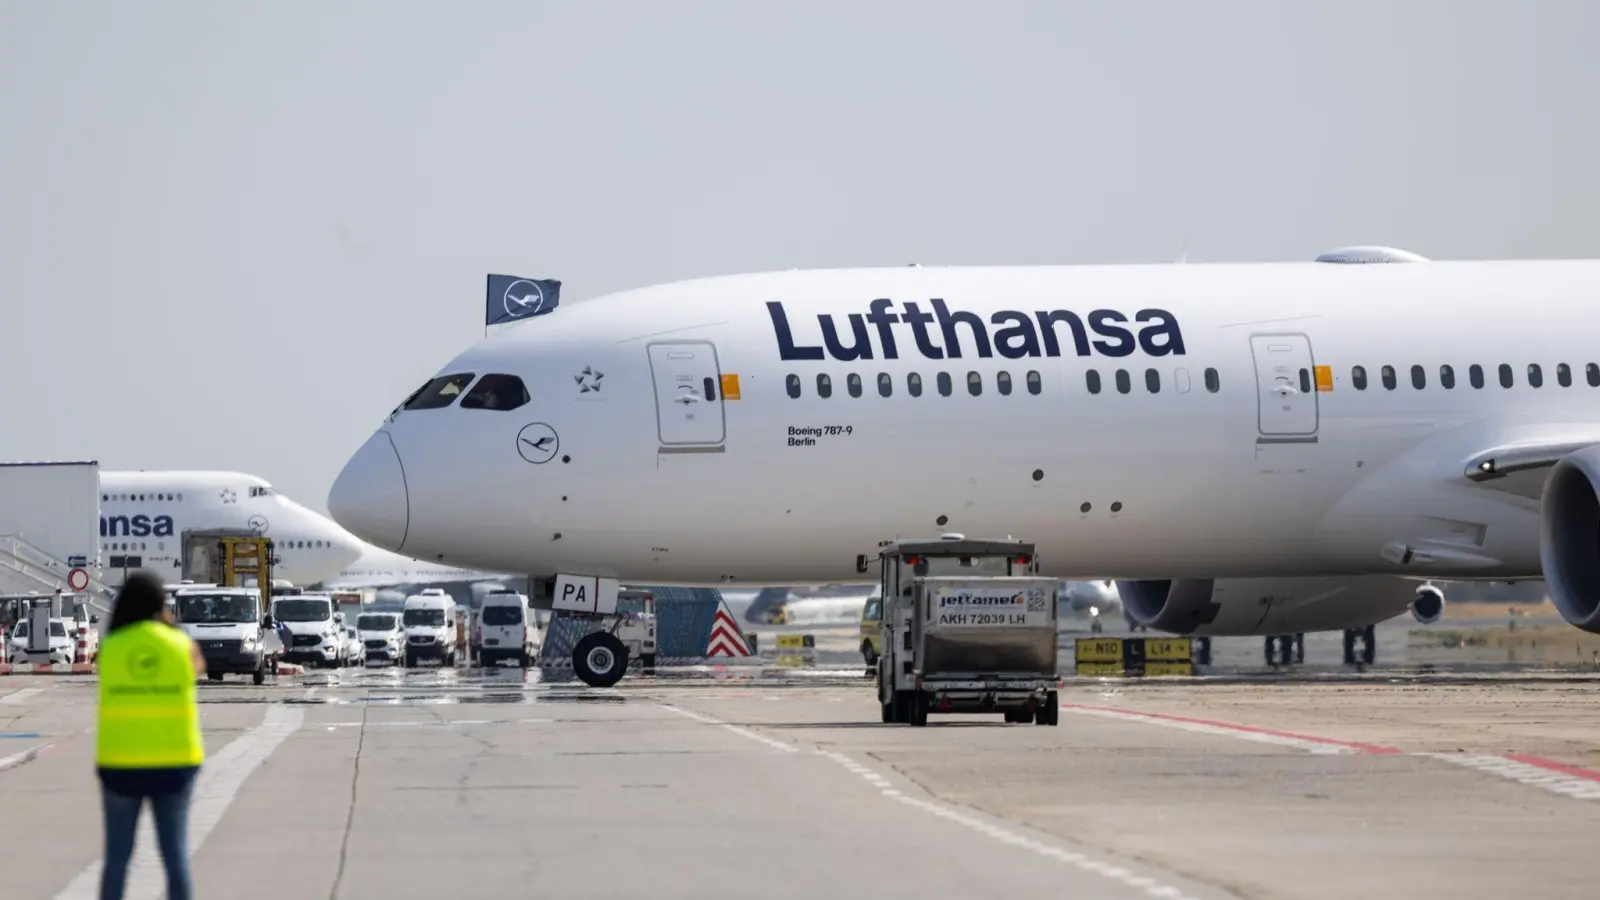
column 380, row 783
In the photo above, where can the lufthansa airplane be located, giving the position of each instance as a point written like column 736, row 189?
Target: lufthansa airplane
column 377, row 567
column 143, row 516
column 1260, row 448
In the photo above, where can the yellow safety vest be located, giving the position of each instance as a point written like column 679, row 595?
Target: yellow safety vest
column 148, row 716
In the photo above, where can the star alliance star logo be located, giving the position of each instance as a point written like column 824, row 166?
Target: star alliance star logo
column 228, row 496
column 589, row 380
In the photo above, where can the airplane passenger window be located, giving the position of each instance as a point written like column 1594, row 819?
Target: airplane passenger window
column 974, row 383
column 824, row 386
column 1214, row 382
column 792, row 383
column 1592, row 372
column 708, row 388
column 1092, row 379
column 1388, row 377
column 1002, row 383
column 1180, row 380
column 498, row 392
column 914, row 384
column 852, row 383
column 1305, row 381
column 440, row 392
column 885, row 384
column 1505, row 376
column 944, row 384
column 1358, row 377
column 1124, row 383
column 1535, row 375
column 1035, row 383
column 1447, row 377
column 1563, row 375
column 1152, row 381
column 1419, row 378
column 1475, row 375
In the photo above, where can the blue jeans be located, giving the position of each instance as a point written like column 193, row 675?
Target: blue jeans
column 171, row 810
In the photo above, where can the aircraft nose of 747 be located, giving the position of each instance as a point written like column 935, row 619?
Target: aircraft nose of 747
column 369, row 497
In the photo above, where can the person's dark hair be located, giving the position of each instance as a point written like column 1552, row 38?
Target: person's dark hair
column 141, row 599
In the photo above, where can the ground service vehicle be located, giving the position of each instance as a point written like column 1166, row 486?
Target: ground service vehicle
column 967, row 628
column 507, row 630
column 430, row 622
column 314, row 637
column 627, row 627
column 235, row 569
column 227, row 624
column 382, row 635
column 872, row 630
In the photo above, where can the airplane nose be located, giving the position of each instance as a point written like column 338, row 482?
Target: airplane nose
column 369, row 497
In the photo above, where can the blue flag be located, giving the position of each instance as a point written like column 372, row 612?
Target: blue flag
column 511, row 298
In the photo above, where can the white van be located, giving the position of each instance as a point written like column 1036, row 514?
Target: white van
column 314, row 637
column 226, row 623
column 430, row 622
column 382, row 635
column 508, row 630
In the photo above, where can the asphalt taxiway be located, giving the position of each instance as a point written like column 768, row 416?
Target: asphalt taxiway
column 383, row 784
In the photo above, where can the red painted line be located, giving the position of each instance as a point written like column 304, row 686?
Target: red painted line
column 1552, row 765
column 1353, row 745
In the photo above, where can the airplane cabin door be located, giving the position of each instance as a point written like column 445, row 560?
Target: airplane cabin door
column 688, row 381
column 1287, row 394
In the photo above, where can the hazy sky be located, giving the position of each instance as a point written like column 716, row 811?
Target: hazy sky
column 209, row 205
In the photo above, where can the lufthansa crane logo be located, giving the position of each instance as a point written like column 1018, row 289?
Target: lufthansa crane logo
column 258, row 524
column 538, row 443
column 143, row 664
column 522, row 298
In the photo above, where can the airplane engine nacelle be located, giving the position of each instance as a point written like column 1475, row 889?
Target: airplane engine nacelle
column 1248, row 606
column 1429, row 604
column 1569, row 537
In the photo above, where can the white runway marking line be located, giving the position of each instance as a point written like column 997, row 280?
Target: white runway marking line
column 742, row 732
column 1545, row 778
column 220, row 779
column 1534, row 776
column 20, row 696
column 1202, row 728
column 1150, row 886
column 28, row 755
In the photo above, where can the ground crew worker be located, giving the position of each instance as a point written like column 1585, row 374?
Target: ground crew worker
column 148, row 743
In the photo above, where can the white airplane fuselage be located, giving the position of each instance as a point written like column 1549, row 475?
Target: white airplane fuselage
column 1229, row 437
column 143, row 516
column 378, row 568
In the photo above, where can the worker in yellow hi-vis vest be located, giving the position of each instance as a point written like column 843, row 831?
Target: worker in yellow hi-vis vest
column 148, row 744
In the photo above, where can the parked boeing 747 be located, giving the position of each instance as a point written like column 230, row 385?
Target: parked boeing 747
column 1246, row 448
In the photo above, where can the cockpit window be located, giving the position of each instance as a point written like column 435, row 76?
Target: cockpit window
column 261, row 491
column 440, row 392
column 496, row 392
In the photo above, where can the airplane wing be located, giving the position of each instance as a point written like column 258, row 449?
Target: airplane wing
column 1520, row 468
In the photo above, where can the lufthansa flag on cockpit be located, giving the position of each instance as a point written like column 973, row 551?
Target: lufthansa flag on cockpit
column 511, row 297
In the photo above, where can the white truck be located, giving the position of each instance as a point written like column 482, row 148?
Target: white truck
column 507, row 629
column 967, row 627
column 50, row 526
column 228, row 624
column 429, row 619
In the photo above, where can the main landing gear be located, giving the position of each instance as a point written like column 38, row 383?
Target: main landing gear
column 1286, row 649
column 1368, row 637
